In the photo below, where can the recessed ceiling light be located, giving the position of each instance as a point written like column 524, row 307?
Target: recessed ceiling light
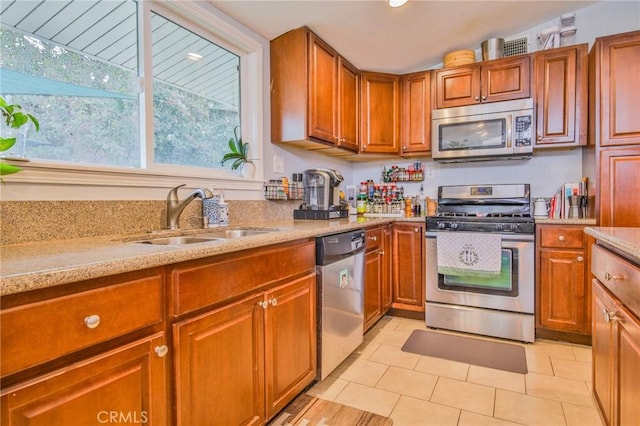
column 194, row 56
column 397, row 3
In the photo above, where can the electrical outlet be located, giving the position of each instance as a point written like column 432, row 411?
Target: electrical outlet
column 430, row 172
column 278, row 164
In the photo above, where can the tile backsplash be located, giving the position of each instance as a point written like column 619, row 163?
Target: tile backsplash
column 32, row 221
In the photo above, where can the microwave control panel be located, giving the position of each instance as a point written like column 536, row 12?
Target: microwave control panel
column 522, row 130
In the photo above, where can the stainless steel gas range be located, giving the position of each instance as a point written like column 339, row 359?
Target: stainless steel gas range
column 499, row 304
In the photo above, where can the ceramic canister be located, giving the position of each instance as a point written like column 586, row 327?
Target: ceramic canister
column 210, row 211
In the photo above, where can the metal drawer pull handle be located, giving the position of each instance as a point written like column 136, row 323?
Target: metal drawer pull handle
column 561, row 237
column 161, row 350
column 609, row 316
column 374, row 238
column 92, row 321
column 609, row 277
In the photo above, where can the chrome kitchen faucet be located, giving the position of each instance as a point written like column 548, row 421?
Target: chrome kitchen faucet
column 175, row 207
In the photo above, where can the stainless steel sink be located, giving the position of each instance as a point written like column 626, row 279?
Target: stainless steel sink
column 203, row 237
column 233, row 233
column 170, row 241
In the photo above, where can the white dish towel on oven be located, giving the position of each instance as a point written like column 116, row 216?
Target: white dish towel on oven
column 469, row 253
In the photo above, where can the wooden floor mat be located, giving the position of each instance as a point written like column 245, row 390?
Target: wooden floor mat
column 307, row 410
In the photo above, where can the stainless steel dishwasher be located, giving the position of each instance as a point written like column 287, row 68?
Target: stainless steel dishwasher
column 340, row 266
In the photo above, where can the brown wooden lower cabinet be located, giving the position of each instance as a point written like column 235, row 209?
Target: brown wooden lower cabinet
column 563, row 296
column 126, row 385
column 616, row 359
column 377, row 280
column 407, row 265
column 242, row 363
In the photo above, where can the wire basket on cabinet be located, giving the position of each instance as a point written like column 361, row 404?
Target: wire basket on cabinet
column 279, row 191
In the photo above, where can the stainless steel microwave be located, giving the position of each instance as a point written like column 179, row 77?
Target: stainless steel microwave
column 492, row 131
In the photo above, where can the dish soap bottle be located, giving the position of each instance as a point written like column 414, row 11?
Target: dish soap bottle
column 223, row 211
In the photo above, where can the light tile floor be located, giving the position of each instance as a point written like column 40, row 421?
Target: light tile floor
column 416, row 390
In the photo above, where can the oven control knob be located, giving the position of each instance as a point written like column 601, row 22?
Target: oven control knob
column 441, row 225
column 499, row 227
column 454, row 226
column 514, row 227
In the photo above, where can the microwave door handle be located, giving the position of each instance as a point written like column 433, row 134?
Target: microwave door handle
column 509, row 130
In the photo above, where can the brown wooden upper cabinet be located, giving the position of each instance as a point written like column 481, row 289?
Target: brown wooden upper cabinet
column 561, row 96
column 380, row 118
column 314, row 92
column 614, row 65
column 416, row 113
column 490, row 81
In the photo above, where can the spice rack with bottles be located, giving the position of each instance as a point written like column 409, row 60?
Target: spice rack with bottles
column 412, row 173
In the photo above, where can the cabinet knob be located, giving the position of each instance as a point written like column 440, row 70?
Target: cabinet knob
column 161, row 350
column 610, row 315
column 484, row 98
column 381, row 253
column 477, row 98
column 561, row 237
column 263, row 305
column 609, row 277
column 273, row 301
column 580, row 259
column 416, row 229
column 92, row 321
column 404, row 148
column 539, row 138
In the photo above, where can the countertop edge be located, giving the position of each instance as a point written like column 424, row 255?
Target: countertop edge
column 624, row 240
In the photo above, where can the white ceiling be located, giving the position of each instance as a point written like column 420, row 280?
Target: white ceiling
column 376, row 37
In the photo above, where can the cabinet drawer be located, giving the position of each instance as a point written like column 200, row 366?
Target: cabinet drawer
column 203, row 283
column 38, row 332
column 561, row 237
column 373, row 237
column 620, row 276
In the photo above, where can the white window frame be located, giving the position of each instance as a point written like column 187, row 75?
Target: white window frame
column 210, row 23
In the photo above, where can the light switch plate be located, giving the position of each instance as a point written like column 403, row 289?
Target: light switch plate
column 278, row 164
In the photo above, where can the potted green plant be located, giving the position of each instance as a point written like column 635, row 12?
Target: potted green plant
column 238, row 152
column 14, row 117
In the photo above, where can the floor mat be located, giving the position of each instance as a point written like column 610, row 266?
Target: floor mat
column 470, row 350
column 307, row 410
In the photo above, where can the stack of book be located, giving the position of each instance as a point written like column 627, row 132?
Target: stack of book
column 559, row 204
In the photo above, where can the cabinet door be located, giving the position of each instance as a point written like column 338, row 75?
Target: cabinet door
column 372, row 288
column 506, row 79
column 561, row 96
column 387, row 290
column 323, row 90
column 619, row 187
column 416, row 112
column 408, row 266
column 219, row 365
column 125, row 385
column 380, row 115
column 348, row 105
column 562, row 291
column 290, row 341
column 602, row 348
column 628, row 368
column 619, row 89
column 457, row 86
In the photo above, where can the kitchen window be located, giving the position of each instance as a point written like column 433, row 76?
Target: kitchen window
column 125, row 86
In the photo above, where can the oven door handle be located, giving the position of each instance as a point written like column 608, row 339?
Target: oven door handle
column 507, row 237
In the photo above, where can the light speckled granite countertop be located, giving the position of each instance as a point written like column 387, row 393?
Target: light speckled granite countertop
column 31, row 266
column 547, row 221
column 624, row 240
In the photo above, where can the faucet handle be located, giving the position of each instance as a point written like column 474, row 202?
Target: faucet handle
column 173, row 193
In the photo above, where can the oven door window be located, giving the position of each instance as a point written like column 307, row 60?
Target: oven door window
column 506, row 284
column 470, row 135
